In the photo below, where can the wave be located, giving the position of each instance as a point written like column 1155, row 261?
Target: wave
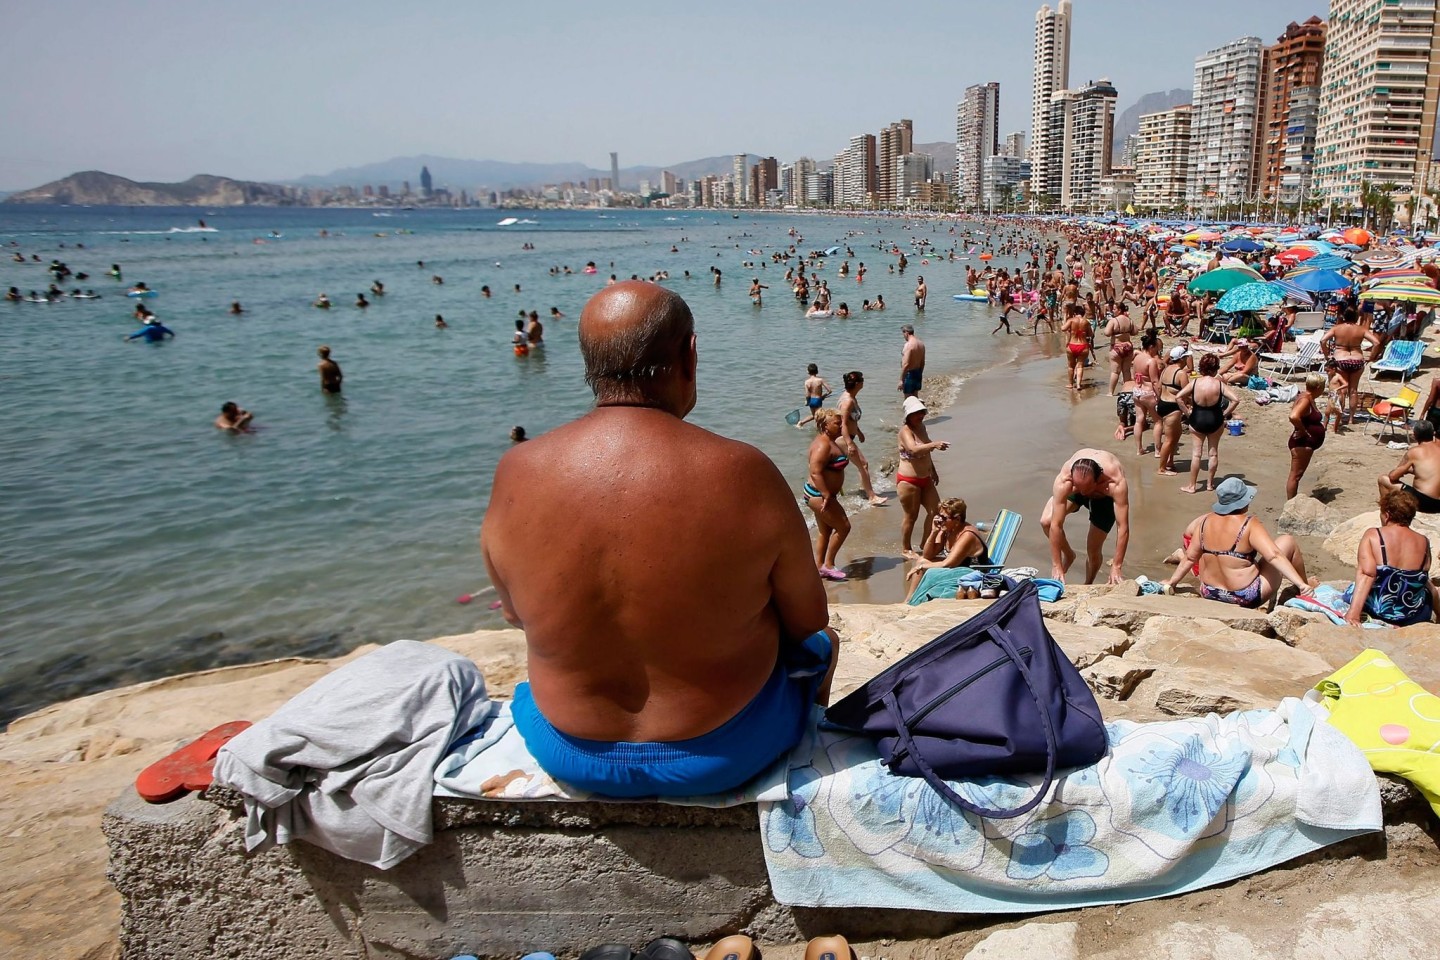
column 116, row 233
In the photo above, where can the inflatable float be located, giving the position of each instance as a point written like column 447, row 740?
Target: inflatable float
column 141, row 293
column 974, row 296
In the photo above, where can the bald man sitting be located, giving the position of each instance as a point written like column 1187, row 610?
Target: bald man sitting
column 674, row 619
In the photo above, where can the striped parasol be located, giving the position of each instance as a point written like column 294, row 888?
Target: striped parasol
column 1403, row 293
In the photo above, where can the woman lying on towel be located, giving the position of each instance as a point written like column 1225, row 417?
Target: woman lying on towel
column 1392, row 569
column 1249, row 572
column 952, row 546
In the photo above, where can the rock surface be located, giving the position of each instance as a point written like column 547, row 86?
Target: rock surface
column 94, row 187
column 1148, row 658
column 1344, row 541
column 1306, row 516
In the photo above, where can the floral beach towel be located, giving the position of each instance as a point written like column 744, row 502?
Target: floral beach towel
column 1173, row 806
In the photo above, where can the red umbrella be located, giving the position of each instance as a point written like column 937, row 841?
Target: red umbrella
column 1357, row 236
column 1297, row 253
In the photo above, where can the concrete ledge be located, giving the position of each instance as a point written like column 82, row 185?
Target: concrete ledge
column 501, row 879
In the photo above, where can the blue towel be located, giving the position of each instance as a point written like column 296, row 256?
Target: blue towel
column 940, row 583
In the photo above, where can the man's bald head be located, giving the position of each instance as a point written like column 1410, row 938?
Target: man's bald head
column 631, row 334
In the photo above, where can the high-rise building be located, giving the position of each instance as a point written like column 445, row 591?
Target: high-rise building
column 1292, row 104
column 804, row 172
column 894, row 142
column 1162, row 159
column 911, row 170
column 1051, row 73
column 426, row 183
column 738, row 176
column 854, row 184
column 1087, row 129
column 1378, row 95
column 1014, row 145
column 820, row 188
column 1225, row 124
column 769, row 169
column 669, row 183
column 615, row 172
column 1004, row 174
column 977, row 138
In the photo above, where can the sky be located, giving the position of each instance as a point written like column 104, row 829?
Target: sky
column 269, row 90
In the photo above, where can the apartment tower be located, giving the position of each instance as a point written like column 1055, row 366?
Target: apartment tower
column 1378, row 95
column 977, row 138
column 1225, row 124
column 894, row 142
column 1051, row 74
column 1162, row 159
column 1292, row 110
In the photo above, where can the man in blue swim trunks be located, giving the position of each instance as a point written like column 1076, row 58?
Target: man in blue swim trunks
column 673, row 649
column 912, row 362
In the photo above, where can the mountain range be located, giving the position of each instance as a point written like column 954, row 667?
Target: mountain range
column 502, row 175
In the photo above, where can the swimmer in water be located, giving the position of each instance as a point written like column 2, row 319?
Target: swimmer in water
column 330, row 375
column 555, row 313
column 153, row 332
column 377, row 288
column 233, row 419
column 485, row 292
column 322, row 301
column 236, row 309
column 440, row 323
column 519, row 341
column 517, row 434
column 360, row 301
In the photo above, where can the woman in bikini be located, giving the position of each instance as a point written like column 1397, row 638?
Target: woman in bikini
column 1167, row 408
column 822, row 492
column 1309, row 432
column 1344, row 344
column 1120, row 329
column 1077, row 344
column 1207, row 402
column 1249, row 573
column 950, row 541
column 1392, row 568
column 916, row 478
column 1147, row 375
column 851, row 436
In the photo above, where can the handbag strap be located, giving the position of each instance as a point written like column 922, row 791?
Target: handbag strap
column 1002, row 639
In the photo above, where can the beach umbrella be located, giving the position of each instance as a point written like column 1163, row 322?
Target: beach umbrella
column 1242, row 245
column 1358, row 236
column 1399, row 273
column 1298, row 253
column 1326, row 261
column 1380, row 257
column 1297, row 294
column 1249, row 296
column 1425, row 295
column 1222, row 281
column 1319, row 281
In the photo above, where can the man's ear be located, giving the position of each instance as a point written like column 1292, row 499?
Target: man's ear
column 691, row 359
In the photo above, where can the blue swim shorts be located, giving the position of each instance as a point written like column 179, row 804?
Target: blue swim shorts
column 911, row 382
column 813, row 403
column 715, row 762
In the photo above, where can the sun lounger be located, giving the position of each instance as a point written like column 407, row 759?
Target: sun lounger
column 1305, row 358
column 1402, row 357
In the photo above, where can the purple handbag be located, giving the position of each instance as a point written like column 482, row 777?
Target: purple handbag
column 992, row 695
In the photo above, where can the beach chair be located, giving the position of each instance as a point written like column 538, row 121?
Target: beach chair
column 1395, row 412
column 1002, row 537
column 1306, row 357
column 1221, row 326
column 1402, row 357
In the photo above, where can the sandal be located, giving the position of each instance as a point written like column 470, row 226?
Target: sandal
column 665, row 948
column 192, row 767
column 828, row 948
column 738, row 947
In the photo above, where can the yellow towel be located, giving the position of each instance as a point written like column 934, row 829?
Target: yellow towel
column 1392, row 719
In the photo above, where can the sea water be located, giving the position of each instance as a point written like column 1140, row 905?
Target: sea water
column 136, row 540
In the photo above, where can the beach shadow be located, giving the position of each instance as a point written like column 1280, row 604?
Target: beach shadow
column 863, row 568
column 1326, row 494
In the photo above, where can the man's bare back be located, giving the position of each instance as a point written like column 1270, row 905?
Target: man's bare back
column 656, row 569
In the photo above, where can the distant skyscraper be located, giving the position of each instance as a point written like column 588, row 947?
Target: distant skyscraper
column 1014, row 145
column 912, row 170
column 894, row 142
column 1051, row 73
column 426, row 184
column 857, row 188
column 977, row 138
column 741, row 180
column 668, row 182
column 1079, row 129
column 1377, row 109
column 1225, row 124
column 615, row 172
column 1292, row 109
column 804, row 173
column 1162, row 159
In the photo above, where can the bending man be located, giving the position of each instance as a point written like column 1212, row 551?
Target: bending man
column 1095, row 480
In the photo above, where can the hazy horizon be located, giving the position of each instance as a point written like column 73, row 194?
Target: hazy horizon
column 160, row 90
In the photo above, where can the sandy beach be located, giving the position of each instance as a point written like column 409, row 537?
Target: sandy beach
column 1012, row 427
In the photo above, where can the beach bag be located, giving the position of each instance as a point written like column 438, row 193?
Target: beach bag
column 992, row 695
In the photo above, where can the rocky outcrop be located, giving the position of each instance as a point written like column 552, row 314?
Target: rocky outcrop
column 95, row 188
column 1306, row 517
column 1146, row 658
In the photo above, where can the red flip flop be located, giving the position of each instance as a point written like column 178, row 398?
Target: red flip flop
column 191, row 767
